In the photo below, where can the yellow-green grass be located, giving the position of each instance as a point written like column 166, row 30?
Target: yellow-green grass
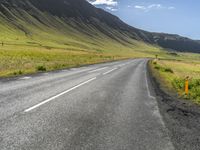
column 24, row 59
column 15, row 62
column 172, row 74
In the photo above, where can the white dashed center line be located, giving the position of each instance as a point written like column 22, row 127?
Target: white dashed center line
column 98, row 69
column 25, row 78
column 109, row 71
column 56, row 96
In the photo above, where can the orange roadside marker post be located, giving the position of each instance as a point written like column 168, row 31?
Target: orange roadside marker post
column 187, row 85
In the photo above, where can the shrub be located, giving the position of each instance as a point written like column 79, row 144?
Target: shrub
column 194, row 83
column 41, row 68
column 178, row 83
column 168, row 70
column 20, row 72
column 157, row 67
column 195, row 92
column 194, row 88
column 154, row 62
column 17, row 73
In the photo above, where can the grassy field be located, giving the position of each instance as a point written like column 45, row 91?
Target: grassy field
column 30, row 46
column 172, row 74
column 25, row 59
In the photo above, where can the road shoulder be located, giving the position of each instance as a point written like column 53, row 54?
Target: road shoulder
column 182, row 117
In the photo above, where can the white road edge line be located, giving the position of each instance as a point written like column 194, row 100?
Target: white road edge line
column 147, row 85
column 56, row 96
column 109, row 71
column 157, row 111
column 25, row 78
column 122, row 65
column 97, row 69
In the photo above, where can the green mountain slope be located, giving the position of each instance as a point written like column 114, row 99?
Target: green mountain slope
column 24, row 22
column 74, row 21
column 38, row 35
column 35, row 39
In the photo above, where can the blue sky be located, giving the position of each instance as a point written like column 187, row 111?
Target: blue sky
column 170, row 16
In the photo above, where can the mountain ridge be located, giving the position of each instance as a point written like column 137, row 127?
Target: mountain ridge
column 81, row 16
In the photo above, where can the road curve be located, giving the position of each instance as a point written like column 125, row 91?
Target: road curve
column 109, row 106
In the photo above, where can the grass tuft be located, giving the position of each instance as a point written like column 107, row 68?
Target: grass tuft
column 41, row 68
column 168, row 70
column 15, row 73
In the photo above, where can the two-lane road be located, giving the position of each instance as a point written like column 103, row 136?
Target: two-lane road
column 109, row 106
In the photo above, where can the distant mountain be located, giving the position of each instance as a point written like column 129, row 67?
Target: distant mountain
column 68, row 16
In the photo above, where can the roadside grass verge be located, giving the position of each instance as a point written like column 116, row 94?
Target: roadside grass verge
column 17, row 62
column 171, row 74
column 22, row 59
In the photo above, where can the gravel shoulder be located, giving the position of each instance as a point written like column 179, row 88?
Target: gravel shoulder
column 182, row 117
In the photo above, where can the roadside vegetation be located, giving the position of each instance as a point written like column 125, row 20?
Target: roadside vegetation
column 17, row 62
column 19, row 59
column 172, row 75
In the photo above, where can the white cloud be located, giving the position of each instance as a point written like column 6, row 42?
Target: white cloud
column 140, row 7
column 104, row 2
column 152, row 7
column 171, row 7
column 111, row 8
column 110, row 5
column 155, row 6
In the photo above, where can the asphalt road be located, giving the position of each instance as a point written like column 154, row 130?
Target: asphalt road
column 109, row 106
